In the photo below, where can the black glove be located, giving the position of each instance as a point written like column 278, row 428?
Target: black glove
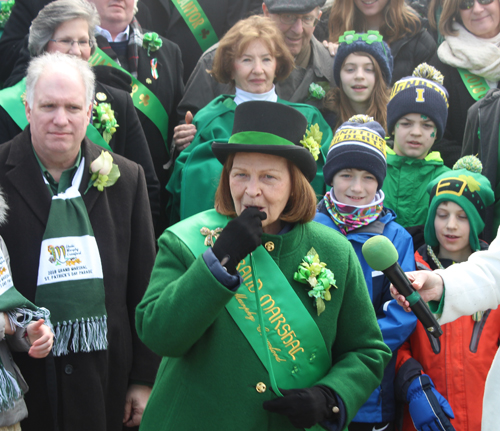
column 304, row 407
column 240, row 237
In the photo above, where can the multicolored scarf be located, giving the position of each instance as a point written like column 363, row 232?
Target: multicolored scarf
column 347, row 217
column 134, row 43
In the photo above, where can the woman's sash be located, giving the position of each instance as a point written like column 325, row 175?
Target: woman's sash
column 143, row 98
column 476, row 85
column 197, row 21
column 11, row 99
column 299, row 356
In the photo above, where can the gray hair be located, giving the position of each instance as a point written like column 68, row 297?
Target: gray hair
column 58, row 61
column 56, row 13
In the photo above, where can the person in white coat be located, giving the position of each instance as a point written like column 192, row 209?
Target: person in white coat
column 463, row 289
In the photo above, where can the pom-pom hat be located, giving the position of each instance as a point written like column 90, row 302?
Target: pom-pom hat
column 422, row 93
column 372, row 43
column 358, row 144
column 269, row 128
column 465, row 186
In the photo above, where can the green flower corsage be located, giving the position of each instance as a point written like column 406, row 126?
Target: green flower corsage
column 313, row 272
column 312, row 140
column 104, row 121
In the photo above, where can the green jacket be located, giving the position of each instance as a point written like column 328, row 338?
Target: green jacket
column 406, row 183
column 209, row 379
column 196, row 173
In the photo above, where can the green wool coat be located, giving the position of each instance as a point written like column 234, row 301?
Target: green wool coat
column 196, row 173
column 405, row 186
column 208, row 376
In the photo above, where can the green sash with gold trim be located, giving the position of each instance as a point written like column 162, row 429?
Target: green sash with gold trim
column 143, row 98
column 198, row 22
column 299, row 356
column 476, row 85
column 11, row 99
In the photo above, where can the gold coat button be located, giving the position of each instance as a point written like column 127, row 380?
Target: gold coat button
column 261, row 387
column 269, row 246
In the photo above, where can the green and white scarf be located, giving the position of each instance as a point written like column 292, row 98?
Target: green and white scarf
column 20, row 313
column 70, row 281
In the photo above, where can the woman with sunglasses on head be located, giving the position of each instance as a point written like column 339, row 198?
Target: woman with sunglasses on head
column 469, row 59
column 398, row 23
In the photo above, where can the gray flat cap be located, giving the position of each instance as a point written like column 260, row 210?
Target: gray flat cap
column 293, row 6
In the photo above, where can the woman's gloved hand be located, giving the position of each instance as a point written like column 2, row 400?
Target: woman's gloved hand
column 304, row 407
column 429, row 410
column 240, row 237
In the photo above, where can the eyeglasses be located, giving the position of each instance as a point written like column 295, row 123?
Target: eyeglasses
column 307, row 20
column 68, row 43
column 469, row 4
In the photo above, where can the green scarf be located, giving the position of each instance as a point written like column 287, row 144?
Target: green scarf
column 70, row 280
column 14, row 304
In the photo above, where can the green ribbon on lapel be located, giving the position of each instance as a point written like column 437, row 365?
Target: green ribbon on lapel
column 143, row 98
column 198, row 22
column 299, row 356
column 11, row 99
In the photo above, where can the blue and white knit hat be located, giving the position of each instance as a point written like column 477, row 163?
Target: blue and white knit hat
column 422, row 93
column 358, row 144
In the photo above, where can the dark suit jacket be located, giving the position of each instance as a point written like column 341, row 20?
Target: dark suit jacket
column 223, row 14
column 18, row 25
column 129, row 140
column 169, row 89
column 91, row 386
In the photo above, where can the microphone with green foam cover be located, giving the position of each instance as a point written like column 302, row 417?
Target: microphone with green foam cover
column 381, row 255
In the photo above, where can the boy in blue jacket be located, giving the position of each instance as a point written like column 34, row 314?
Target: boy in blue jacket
column 355, row 167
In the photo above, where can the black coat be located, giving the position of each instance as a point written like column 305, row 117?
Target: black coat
column 410, row 51
column 128, row 140
column 169, row 89
column 222, row 14
column 17, row 27
column 91, row 386
column 481, row 138
column 460, row 100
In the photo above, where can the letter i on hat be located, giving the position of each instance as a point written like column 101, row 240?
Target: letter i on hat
column 422, row 93
column 465, row 186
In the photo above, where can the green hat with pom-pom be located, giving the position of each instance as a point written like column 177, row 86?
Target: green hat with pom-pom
column 422, row 93
column 465, row 186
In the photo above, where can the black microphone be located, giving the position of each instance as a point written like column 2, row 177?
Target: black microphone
column 381, row 255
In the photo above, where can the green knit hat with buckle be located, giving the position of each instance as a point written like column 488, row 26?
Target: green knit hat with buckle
column 465, row 186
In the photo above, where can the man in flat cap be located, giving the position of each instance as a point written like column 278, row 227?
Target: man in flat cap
column 313, row 64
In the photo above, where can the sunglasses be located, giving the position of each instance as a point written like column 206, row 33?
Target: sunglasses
column 469, row 4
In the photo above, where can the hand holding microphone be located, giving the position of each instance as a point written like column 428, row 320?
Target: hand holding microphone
column 381, row 255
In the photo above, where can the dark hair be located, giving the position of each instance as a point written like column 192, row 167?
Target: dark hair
column 235, row 41
column 301, row 205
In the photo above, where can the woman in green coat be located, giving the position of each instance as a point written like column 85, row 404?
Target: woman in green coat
column 321, row 353
column 251, row 56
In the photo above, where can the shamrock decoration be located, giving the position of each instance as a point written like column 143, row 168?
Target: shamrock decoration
column 5, row 10
column 104, row 121
column 152, row 42
column 312, row 140
column 316, row 91
column 313, row 272
column 104, row 172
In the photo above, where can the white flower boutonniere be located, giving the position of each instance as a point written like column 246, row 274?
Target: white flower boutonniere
column 104, row 172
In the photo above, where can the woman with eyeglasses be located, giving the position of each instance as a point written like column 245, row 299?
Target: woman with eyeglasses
column 397, row 22
column 469, row 59
column 67, row 26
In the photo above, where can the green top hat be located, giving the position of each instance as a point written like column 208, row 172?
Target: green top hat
column 269, row 128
